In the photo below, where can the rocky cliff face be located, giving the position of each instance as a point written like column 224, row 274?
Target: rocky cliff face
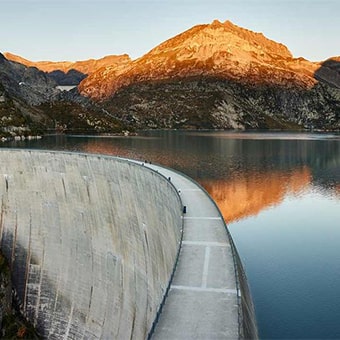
column 221, row 50
column 27, row 83
column 71, row 73
column 30, row 104
column 22, row 89
column 12, row 324
column 213, row 103
column 220, row 76
column 329, row 72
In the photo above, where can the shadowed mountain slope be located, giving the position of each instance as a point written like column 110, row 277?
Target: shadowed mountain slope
column 30, row 104
column 329, row 72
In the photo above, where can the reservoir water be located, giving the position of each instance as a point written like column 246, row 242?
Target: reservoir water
column 280, row 196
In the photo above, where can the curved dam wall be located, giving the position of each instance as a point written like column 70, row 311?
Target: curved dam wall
column 91, row 241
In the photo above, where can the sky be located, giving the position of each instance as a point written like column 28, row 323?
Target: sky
column 83, row 29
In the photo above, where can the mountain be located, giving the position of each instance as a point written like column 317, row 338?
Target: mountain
column 71, row 73
column 30, row 103
column 222, row 50
column 214, row 76
column 27, row 83
column 219, row 75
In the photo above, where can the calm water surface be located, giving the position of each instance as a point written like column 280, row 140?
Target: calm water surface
column 280, row 195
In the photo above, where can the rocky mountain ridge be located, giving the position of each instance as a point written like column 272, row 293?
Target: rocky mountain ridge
column 30, row 104
column 217, row 76
column 68, row 72
column 222, row 50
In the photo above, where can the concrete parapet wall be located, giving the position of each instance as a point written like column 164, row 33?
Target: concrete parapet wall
column 91, row 242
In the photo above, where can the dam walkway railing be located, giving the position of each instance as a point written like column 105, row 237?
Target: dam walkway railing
column 209, row 296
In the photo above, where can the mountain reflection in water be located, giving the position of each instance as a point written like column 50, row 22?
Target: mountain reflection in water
column 249, row 193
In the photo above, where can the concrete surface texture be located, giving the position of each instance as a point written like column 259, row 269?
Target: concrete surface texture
column 92, row 242
column 203, row 301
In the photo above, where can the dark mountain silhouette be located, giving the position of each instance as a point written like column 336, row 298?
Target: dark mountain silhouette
column 329, row 72
column 71, row 77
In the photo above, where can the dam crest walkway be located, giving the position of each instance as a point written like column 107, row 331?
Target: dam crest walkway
column 203, row 298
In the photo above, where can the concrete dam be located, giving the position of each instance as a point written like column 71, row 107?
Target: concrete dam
column 92, row 242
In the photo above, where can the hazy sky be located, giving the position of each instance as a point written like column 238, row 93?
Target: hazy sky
column 83, row 29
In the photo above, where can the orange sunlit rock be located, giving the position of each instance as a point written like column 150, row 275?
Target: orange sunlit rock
column 221, row 50
column 83, row 66
column 337, row 189
column 248, row 194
